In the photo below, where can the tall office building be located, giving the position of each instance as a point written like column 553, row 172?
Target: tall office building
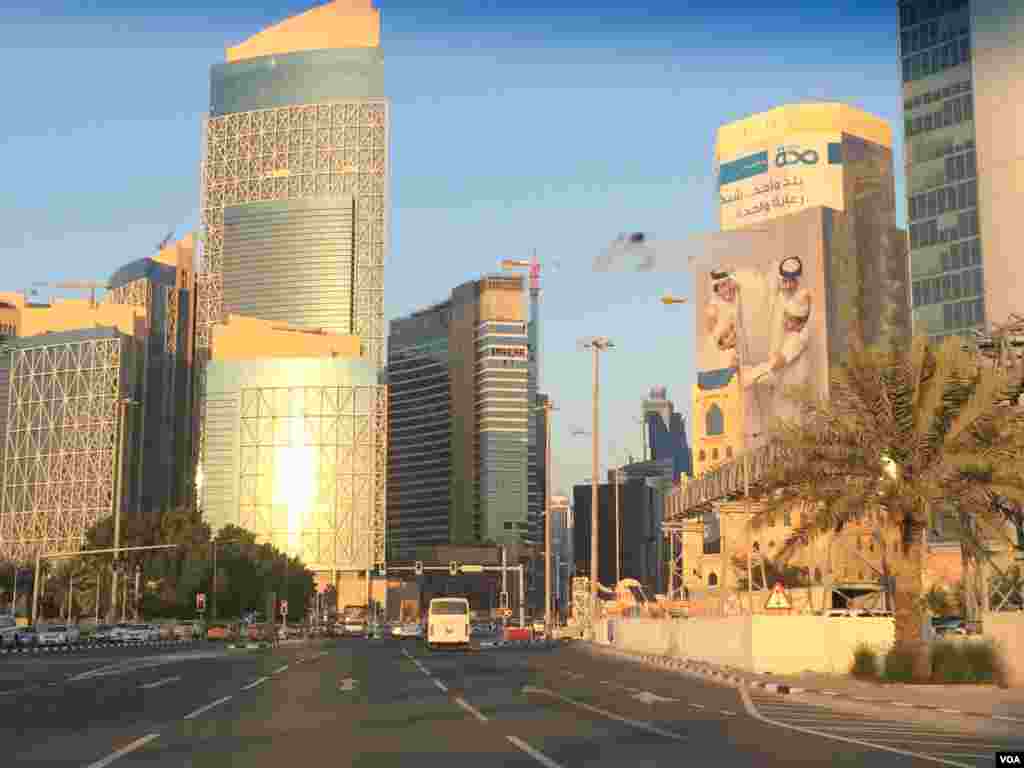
column 294, row 178
column 63, row 374
column 538, row 417
column 163, row 286
column 963, row 104
column 459, row 419
column 665, row 432
column 295, row 446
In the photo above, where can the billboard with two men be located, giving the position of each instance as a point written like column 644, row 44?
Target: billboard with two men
column 761, row 331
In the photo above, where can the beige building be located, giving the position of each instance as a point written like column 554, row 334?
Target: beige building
column 295, row 447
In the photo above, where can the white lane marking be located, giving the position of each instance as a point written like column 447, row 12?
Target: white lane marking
column 440, row 685
column 254, row 683
column 123, row 751
column 952, row 711
column 697, row 706
column 901, row 704
column 158, row 683
column 471, row 709
column 650, row 698
column 726, row 712
column 348, row 684
column 279, row 669
column 540, row 757
column 639, row 724
column 1008, row 719
column 752, row 711
column 211, row 705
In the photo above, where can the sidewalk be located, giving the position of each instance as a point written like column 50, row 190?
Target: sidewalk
column 967, row 699
column 985, row 701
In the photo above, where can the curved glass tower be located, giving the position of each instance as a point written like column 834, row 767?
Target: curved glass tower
column 295, row 178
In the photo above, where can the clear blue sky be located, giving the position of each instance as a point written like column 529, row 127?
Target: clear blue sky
column 515, row 125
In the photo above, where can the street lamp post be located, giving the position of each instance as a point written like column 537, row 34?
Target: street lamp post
column 597, row 345
column 122, row 411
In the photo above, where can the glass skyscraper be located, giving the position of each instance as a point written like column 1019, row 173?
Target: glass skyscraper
column 295, row 178
column 961, row 72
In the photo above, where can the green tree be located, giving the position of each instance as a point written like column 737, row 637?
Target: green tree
column 791, row 576
column 905, row 430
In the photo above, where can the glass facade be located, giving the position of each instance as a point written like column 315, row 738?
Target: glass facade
column 502, row 429
column 300, row 127
column 419, row 423
column 296, row 452
column 304, row 77
column 941, row 166
column 291, row 261
column 60, row 439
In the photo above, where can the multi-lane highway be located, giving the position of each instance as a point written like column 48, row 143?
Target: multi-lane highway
column 391, row 703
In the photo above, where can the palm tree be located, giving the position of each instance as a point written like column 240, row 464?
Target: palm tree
column 904, row 431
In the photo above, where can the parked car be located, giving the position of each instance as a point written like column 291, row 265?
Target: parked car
column 59, row 634
column 187, row 631
column 8, row 632
column 220, row 632
column 103, row 633
column 26, row 637
column 118, row 630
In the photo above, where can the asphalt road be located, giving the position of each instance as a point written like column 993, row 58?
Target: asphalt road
column 383, row 703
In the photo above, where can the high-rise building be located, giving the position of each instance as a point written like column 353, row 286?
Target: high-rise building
column 962, row 71
column 471, row 438
column 665, row 432
column 163, row 285
column 296, row 445
column 63, row 377
column 561, row 551
column 538, row 419
column 295, row 178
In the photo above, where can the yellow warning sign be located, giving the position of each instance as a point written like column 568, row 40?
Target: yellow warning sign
column 778, row 598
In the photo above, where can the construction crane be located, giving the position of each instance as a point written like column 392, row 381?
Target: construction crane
column 78, row 285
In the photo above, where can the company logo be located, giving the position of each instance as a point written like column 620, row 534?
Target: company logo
column 793, row 156
column 1009, row 758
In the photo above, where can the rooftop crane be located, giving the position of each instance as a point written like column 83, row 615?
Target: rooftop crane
column 78, row 285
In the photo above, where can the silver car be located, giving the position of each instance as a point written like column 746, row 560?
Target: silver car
column 59, row 634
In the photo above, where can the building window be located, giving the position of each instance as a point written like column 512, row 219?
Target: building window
column 712, row 579
column 714, row 421
column 714, row 454
column 728, row 451
column 703, row 455
column 817, row 575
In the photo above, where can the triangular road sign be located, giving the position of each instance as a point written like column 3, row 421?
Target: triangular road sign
column 778, row 598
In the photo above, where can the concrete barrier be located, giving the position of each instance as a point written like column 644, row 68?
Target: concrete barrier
column 761, row 644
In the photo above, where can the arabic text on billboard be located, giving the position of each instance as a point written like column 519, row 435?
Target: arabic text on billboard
column 804, row 171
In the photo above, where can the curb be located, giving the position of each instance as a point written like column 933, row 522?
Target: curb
column 738, row 680
column 85, row 647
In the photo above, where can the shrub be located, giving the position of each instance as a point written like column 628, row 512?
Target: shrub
column 865, row 662
column 983, row 662
column 899, row 666
column 949, row 663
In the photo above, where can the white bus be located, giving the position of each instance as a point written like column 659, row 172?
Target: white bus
column 448, row 622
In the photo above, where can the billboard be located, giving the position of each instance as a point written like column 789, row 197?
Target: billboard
column 763, row 315
column 803, row 170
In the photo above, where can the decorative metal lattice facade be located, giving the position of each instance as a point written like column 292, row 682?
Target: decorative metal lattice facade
column 309, row 464
column 60, row 444
column 310, row 151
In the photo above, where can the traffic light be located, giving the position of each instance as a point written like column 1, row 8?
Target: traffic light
column 200, row 601
column 418, row 567
column 453, row 568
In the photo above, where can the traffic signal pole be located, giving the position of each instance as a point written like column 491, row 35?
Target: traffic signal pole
column 454, row 568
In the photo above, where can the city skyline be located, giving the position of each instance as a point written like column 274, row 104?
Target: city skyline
column 558, row 92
